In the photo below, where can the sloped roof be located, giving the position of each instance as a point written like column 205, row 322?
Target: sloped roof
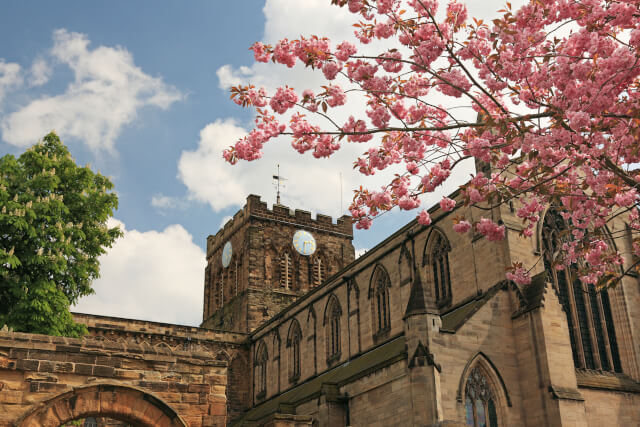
column 606, row 380
column 457, row 316
column 348, row 371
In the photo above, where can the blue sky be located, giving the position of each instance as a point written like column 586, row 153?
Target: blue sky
column 140, row 91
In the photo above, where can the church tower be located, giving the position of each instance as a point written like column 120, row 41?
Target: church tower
column 263, row 259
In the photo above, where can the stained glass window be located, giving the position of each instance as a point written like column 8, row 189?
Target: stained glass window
column 480, row 408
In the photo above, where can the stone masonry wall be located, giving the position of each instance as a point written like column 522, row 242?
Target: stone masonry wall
column 34, row 369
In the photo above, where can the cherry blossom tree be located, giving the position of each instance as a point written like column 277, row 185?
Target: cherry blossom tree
column 553, row 89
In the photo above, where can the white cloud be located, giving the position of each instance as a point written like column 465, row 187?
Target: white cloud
column 40, row 72
column 107, row 92
column 10, row 77
column 152, row 275
column 162, row 202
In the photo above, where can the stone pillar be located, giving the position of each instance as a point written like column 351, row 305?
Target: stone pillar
column 548, row 377
column 332, row 408
column 421, row 323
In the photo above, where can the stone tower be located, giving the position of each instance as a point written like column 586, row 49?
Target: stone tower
column 263, row 259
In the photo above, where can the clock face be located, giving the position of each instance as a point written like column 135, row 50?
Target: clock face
column 304, row 242
column 227, row 251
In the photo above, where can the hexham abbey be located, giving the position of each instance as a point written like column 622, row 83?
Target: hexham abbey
column 422, row 330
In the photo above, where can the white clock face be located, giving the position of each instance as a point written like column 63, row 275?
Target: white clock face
column 304, row 242
column 227, row 251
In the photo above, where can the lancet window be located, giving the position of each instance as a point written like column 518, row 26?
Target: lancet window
column 480, row 402
column 437, row 260
column 332, row 322
column 380, row 288
column 260, row 370
column 588, row 310
column 293, row 342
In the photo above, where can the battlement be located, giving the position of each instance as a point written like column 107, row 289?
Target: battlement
column 258, row 209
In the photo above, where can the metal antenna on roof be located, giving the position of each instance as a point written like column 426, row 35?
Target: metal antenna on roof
column 279, row 181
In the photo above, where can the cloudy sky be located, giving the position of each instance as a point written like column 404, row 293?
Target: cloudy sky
column 139, row 90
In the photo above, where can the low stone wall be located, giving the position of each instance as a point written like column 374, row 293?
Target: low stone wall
column 50, row 380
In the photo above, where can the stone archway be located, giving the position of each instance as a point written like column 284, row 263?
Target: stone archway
column 122, row 403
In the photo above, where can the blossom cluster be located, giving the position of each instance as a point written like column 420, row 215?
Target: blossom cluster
column 556, row 120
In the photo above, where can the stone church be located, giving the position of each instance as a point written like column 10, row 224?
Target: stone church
column 421, row 330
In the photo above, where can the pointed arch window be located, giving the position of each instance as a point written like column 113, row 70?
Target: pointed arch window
column 404, row 266
column 286, row 270
column 260, row 371
column 379, row 292
column 588, row 311
column 319, row 269
column 480, row 402
column 332, row 323
column 293, row 342
column 437, row 261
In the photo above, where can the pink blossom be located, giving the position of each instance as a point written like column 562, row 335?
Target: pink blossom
column 386, row 6
column 454, row 82
column 379, row 115
column 383, row 31
column 447, row 204
column 283, row 99
column 412, row 168
column 492, row 231
column 391, row 62
column 520, row 276
column 424, row 218
column 456, row 13
column 336, row 96
column 330, row 70
column 626, row 198
column 355, row 6
column 344, row 50
column 282, row 53
column 461, row 226
column 408, row 202
column 260, row 52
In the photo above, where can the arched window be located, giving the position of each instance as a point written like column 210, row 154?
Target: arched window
column 332, row 323
column 286, row 270
column 293, row 342
column 319, row 269
column 260, row 371
column 480, row 402
column 404, row 266
column 437, row 260
column 379, row 292
column 591, row 330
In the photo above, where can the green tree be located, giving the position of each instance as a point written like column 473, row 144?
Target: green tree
column 53, row 228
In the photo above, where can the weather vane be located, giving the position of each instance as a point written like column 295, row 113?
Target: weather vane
column 279, row 181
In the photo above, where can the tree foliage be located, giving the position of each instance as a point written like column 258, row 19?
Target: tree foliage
column 546, row 95
column 53, row 228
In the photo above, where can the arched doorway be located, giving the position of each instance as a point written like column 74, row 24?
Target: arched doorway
column 122, row 403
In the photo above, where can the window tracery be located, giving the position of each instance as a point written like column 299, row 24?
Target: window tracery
column 480, row 401
column 588, row 310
